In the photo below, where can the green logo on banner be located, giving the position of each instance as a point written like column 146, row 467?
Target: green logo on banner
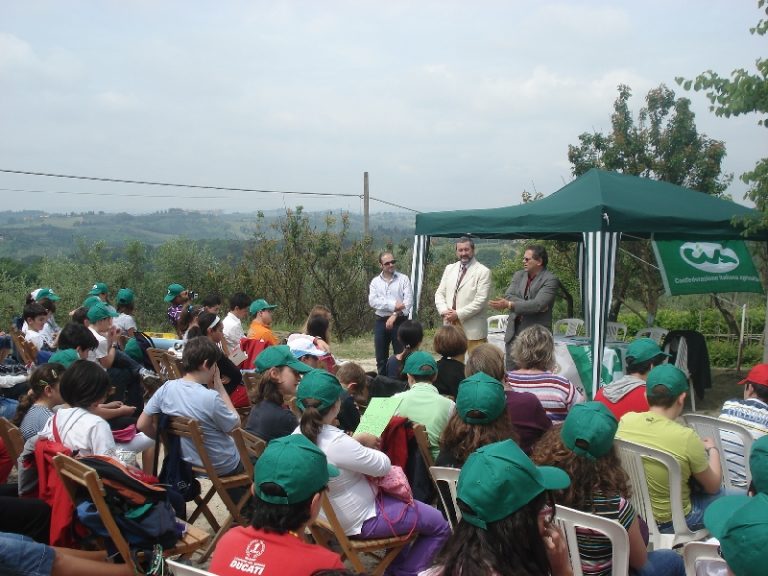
column 704, row 267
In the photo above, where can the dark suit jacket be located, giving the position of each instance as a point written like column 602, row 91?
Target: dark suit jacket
column 537, row 307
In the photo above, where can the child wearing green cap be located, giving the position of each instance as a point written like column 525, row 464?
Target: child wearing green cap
column 288, row 483
column 583, row 448
column 507, row 518
column 279, row 372
column 666, row 388
column 360, row 509
column 422, row 403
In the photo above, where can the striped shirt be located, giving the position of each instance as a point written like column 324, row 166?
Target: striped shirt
column 752, row 413
column 556, row 394
column 594, row 547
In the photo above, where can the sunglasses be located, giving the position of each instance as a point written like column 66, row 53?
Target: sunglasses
column 527, row 259
column 390, row 263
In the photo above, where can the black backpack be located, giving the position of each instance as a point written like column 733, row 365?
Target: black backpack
column 144, row 342
column 176, row 473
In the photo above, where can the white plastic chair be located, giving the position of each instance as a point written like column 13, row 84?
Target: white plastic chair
column 735, row 434
column 681, row 362
column 447, row 477
column 497, row 323
column 632, row 460
column 569, row 327
column 654, row 333
column 695, row 551
column 568, row 519
column 615, row 332
column 179, row 569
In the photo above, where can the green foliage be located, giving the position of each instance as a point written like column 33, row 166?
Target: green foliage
column 725, row 354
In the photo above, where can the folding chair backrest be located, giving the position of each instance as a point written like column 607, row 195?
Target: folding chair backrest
column 695, row 551
column 157, row 357
column 734, row 444
column 26, row 350
column 179, row 569
column 633, row 457
column 12, row 438
column 568, row 519
column 446, row 480
column 249, row 445
column 422, row 440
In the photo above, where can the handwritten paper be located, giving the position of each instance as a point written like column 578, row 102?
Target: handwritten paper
column 377, row 415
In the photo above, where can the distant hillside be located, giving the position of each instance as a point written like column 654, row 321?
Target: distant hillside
column 28, row 234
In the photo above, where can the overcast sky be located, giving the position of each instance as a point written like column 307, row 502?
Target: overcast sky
column 446, row 104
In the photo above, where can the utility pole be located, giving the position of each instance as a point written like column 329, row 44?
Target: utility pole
column 366, row 204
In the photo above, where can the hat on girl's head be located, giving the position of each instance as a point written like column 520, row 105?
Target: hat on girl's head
column 90, row 301
column 420, row 363
column 318, row 385
column 46, row 293
column 125, row 296
column 274, row 356
column 173, row 291
column 98, row 288
column 589, row 430
column 100, row 311
column 758, row 464
column 482, row 396
column 65, row 357
column 499, row 479
column 295, row 464
column 741, row 525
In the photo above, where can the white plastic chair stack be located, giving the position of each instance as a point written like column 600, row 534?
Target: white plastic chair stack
column 615, row 332
column 569, row 327
column 654, row 333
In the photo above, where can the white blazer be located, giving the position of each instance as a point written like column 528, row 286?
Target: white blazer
column 471, row 299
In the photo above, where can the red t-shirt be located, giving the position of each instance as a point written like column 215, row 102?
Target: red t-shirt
column 246, row 550
column 633, row 401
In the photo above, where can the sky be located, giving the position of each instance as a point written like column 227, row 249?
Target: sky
column 446, row 104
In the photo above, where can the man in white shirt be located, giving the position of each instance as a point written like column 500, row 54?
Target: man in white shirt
column 233, row 321
column 391, row 297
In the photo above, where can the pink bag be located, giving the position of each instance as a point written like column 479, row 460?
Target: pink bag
column 125, row 435
column 395, row 483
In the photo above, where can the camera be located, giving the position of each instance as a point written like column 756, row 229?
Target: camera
column 192, row 295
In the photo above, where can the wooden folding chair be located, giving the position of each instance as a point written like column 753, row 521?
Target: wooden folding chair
column 190, row 429
column 12, row 438
column 156, row 357
column 75, row 474
column 422, row 441
column 26, row 350
column 249, row 445
column 323, row 530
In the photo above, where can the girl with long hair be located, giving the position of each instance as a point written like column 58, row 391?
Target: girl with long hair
column 36, row 406
column 410, row 334
column 583, row 448
column 362, row 510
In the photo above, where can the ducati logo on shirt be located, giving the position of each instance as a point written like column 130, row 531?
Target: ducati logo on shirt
column 248, row 565
column 255, row 549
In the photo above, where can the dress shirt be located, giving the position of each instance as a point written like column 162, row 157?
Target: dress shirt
column 382, row 295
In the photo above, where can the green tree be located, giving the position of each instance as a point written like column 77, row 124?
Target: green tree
column 743, row 93
column 663, row 144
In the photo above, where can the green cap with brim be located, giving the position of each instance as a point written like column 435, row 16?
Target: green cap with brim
column 499, row 479
column 90, row 301
column 669, row 376
column 740, row 523
column 319, row 385
column 47, row 293
column 101, row 311
column 65, row 357
column 642, row 349
column 483, row 397
column 125, row 296
column 173, row 291
column 758, row 464
column 259, row 305
column 295, row 464
column 589, row 430
column 420, row 363
column 98, row 288
column 274, row 356
column 133, row 350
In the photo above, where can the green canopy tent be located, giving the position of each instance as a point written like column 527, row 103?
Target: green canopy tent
column 594, row 210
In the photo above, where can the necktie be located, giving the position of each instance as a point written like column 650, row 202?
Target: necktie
column 458, row 283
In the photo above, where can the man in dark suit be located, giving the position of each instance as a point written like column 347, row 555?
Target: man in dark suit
column 530, row 296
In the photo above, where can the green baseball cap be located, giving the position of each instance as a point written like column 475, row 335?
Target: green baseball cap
column 319, row 385
column 740, row 523
column 90, row 301
column 273, row 356
column 295, row 464
column 65, row 357
column 483, row 397
column 133, row 350
column 669, row 376
column 173, row 291
column 125, row 296
column 420, row 363
column 642, row 349
column 259, row 305
column 98, row 288
column 47, row 293
column 589, row 430
column 100, row 311
column 758, row 464
column 499, row 479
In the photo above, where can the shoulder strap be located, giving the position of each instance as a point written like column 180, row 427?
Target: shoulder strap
column 56, row 436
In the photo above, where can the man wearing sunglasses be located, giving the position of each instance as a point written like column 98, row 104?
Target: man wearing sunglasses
column 391, row 297
column 529, row 298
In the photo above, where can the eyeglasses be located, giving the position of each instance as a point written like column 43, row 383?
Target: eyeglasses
column 390, row 263
column 527, row 259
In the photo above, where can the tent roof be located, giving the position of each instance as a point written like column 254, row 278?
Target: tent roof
column 600, row 200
